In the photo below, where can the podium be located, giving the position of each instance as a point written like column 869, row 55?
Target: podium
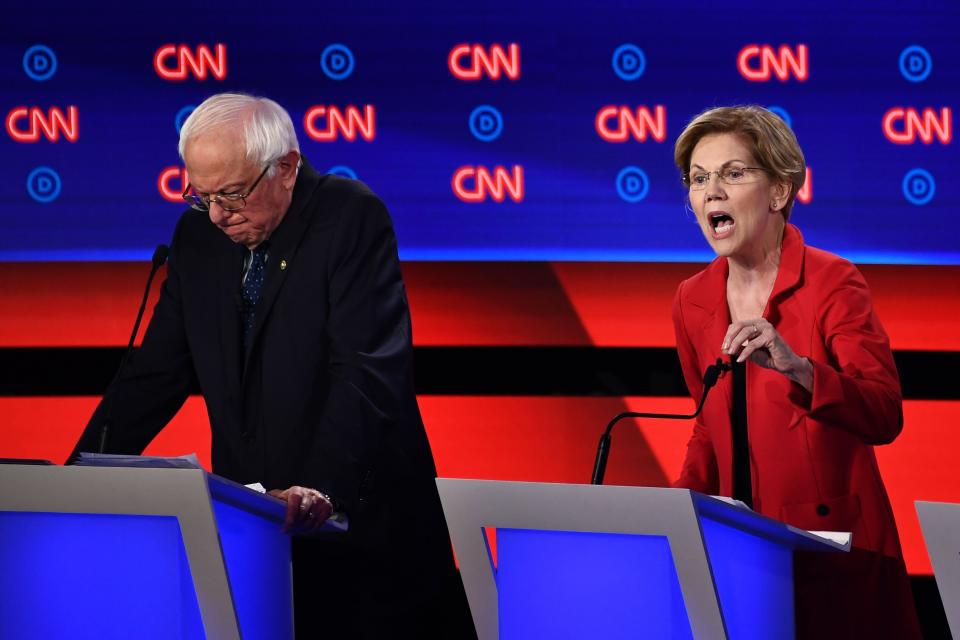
column 940, row 523
column 588, row 561
column 93, row 552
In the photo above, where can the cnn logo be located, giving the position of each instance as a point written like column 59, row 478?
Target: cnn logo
column 177, row 62
column 473, row 61
column 326, row 123
column 476, row 184
column 29, row 124
column 165, row 183
column 759, row 63
column 805, row 195
column 905, row 126
column 618, row 124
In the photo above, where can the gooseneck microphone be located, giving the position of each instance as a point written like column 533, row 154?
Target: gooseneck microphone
column 710, row 377
column 159, row 257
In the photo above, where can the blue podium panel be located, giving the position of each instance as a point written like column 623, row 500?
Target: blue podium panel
column 257, row 556
column 566, row 584
column 754, row 581
column 97, row 576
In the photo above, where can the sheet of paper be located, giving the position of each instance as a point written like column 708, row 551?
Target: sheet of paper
column 189, row 461
column 840, row 537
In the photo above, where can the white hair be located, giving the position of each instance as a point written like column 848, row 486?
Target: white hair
column 267, row 129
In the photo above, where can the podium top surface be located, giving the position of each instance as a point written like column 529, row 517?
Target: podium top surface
column 611, row 508
column 74, row 489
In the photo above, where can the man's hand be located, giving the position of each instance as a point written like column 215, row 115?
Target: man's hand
column 307, row 509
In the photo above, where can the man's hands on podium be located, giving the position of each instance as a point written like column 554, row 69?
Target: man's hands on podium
column 307, row 509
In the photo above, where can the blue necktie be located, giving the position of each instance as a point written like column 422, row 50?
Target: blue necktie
column 252, row 288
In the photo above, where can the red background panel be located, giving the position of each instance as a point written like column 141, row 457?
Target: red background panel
column 48, row 427
column 468, row 303
column 547, row 439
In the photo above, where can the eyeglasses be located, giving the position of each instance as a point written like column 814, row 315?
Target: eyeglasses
column 227, row 201
column 728, row 175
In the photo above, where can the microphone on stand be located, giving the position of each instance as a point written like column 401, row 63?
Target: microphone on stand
column 159, row 257
column 710, row 377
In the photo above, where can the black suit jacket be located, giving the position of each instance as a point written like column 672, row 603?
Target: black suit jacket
column 322, row 397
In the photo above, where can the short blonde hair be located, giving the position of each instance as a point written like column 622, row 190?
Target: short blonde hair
column 771, row 142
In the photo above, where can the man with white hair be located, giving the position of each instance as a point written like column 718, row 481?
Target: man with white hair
column 285, row 304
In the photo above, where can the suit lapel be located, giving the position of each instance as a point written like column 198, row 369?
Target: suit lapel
column 790, row 271
column 282, row 252
column 708, row 296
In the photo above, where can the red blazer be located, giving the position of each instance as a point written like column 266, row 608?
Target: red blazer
column 811, row 454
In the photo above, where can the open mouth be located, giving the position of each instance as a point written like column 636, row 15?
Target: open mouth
column 722, row 224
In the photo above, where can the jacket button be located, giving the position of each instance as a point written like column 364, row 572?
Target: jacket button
column 823, row 510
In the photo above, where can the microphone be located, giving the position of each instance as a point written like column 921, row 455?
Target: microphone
column 710, row 377
column 159, row 257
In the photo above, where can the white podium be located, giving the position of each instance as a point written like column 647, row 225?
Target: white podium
column 91, row 552
column 940, row 523
column 587, row 561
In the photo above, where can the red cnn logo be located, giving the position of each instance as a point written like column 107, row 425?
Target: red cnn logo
column 639, row 123
column 173, row 62
column 471, row 61
column 338, row 123
column 805, row 195
column 780, row 63
column 925, row 126
column 50, row 124
column 496, row 185
column 167, row 176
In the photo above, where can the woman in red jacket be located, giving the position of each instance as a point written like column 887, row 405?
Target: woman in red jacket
column 822, row 387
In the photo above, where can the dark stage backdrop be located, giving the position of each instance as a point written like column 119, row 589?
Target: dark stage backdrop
column 494, row 131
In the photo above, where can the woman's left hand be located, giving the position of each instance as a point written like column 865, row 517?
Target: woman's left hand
column 758, row 340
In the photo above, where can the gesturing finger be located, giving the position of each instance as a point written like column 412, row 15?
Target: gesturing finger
column 739, row 334
column 761, row 340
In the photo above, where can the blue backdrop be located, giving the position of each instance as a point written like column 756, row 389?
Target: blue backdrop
column 870, row 89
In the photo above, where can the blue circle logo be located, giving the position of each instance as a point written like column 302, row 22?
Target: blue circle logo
column 43, row 184
column 40, row 62
column 632, row 184
column 337, row 61
column 486, row 123
column 915, row 63
column 343, row 171
column 781, row 113
column 919, row 186
column 629, row 63
column 182, row 115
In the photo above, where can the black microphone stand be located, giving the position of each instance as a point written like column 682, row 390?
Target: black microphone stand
column 159, row 257
column 710, row 377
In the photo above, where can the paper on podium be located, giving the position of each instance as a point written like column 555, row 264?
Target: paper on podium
column 842, row 538
column 189, row 461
